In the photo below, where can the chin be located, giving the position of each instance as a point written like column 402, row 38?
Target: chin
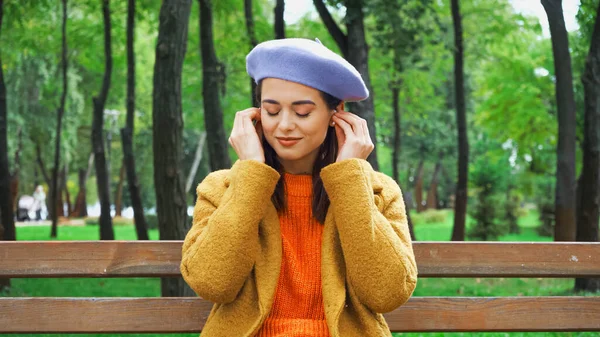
column 286, row 154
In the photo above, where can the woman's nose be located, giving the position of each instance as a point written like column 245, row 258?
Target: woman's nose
column 286, row 122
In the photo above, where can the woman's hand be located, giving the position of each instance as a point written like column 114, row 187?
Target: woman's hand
column 352, row 136
column 246, row 137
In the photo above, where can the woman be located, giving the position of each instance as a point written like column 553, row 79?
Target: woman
column 301, row 237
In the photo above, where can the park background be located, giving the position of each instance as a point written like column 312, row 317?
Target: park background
column 488, row 118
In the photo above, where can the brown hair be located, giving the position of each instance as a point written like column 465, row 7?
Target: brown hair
column 327, row 155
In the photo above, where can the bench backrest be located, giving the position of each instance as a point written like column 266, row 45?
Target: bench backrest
column 61, row 259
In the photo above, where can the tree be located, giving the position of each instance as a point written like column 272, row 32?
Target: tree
column 7, row 224
column 279, row 21
column 59, row 118
column 432, row 201
column 80, row 209
column 253, row 42
column 565, row 198
column 589, row 205
column 353, row 46
column 102, row 180
column 212, row 80
column 167, row 128
column 141, row 226
column 460, row 205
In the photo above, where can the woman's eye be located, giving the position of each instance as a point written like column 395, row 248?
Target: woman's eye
column 303, row 115
column 272, row 113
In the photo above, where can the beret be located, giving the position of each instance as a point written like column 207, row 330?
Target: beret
column 306, row 62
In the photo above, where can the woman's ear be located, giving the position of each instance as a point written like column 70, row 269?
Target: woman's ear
column 340, row 107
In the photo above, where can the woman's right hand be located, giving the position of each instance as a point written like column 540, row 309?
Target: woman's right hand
column 246, row 137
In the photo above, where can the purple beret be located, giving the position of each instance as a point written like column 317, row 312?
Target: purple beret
column 306, row 62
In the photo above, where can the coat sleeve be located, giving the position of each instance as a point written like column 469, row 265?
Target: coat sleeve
column 376, row 244
column 220, row 248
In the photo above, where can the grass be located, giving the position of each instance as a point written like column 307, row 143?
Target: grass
column 431, row 231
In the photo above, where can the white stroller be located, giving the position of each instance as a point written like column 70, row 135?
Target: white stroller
column 27, row 208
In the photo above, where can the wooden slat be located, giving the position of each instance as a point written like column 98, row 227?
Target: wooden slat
column 162, row 258
column 468, row 314
column 446, row 314
column 90, row 258
column 508, row 259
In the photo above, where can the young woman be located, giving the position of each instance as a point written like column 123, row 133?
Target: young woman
column 301, row 237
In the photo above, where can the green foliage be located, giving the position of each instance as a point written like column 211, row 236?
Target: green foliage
column 511, row 212
column 430, row 216
column 151, row 221
column 545, row 203
column 508, row 70
column 489, row 174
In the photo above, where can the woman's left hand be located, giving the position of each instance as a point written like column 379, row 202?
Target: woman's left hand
column 352, row 135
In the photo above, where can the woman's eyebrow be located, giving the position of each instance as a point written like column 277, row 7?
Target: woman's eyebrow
column 306, row 101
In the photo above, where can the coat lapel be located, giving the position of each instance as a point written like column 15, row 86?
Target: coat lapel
column 333, row 265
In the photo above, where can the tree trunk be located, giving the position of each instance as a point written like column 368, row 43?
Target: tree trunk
column 355, row 49
column 65, row 177
column 253, row 43
column 213, row 114
column 432, row 202
column 119, row 192
column 279, row 21
column 141, row 226
column 7, row 223
column 589, row 205
column 565, row 227
column 59, row 203
column 59, row 117
column 396, row 147
column 419, row 187
column 14, row 182
column 358, row 56
column 167, row 125
column 42, row 167
column 196, row 163
column 396, row 152
column 460, row 204
column 80, row 209
column 102, row 179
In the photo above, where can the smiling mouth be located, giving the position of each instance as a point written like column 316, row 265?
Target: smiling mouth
column 288, row 141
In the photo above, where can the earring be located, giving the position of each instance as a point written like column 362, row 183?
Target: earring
column 332, row 124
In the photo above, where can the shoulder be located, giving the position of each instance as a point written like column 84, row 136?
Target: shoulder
column 389, row 190
column 214, row 185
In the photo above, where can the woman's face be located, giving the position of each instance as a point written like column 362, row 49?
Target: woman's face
column 294, row 111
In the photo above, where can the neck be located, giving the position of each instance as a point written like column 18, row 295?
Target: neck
column 300, row 166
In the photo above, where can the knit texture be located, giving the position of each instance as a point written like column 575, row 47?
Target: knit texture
column 232, row 254
column 298, row 306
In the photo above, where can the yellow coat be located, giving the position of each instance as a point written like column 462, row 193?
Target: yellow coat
column 232, row 254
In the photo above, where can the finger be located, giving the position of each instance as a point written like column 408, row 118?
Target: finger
column 348, row 132
column 352, row 119
column 339, row 133
column 359, row 126
column 248, row 115
column 365, row 130
column 257, row 115
column 237, row 127
column 259, row 130
column 247, row 122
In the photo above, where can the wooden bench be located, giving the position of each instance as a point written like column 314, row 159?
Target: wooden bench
column 161, row 259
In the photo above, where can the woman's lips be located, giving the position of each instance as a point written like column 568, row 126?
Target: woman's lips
column 288, row 142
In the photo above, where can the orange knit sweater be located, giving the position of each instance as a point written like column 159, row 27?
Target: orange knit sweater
column 298, row 307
